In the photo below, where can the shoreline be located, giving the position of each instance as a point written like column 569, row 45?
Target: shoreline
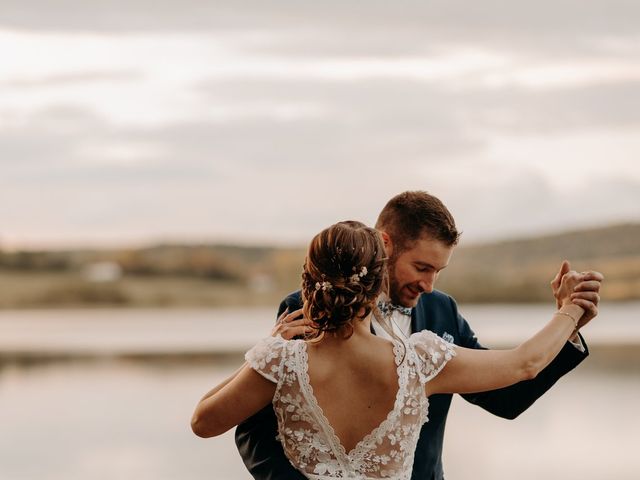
column 603, row 353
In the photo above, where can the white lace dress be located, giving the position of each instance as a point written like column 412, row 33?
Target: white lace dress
column 309, row 440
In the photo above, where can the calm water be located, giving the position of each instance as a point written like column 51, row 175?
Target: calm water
column 107, row 332
column 108, row 418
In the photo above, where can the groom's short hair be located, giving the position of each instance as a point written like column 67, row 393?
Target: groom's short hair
column 409, row 216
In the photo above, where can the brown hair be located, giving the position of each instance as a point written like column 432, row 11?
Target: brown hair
column 409, row 216
column 332, row 294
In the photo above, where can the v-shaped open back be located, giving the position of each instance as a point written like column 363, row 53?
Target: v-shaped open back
column 309, row 440
column 307, row 390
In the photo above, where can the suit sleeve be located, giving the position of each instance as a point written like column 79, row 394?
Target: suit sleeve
column 256, row 440
column 509, row 402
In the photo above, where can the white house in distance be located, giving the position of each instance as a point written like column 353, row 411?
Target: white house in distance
column 102, row 272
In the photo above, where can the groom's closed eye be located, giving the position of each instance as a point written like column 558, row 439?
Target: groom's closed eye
column 427, row 267
column 424, row 267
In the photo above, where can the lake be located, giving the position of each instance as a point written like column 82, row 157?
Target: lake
column 108, row 394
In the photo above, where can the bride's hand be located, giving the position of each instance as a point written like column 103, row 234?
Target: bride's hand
column 290, row 325
column 586, row 295
column 568, row 283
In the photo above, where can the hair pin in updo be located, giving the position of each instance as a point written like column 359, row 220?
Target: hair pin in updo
column 324, row 286
column 355, row 278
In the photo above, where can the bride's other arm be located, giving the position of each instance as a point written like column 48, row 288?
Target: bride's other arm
column 474, row 370
column 237, row 398
column 251, row 387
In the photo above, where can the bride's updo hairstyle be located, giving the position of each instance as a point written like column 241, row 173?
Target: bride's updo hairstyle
column 344, row 273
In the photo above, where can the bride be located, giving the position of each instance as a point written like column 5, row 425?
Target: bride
column 351, row 404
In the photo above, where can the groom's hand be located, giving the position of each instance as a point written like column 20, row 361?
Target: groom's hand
column 290, row 325
column 585, row 295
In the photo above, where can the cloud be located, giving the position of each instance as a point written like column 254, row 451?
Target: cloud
column 227, row 120
column 495, row 200
column 554, row 111
column 567, row 16
column 433, row 117
column 264, row 179
column 70, row 79
column 270, row 181
column 290, row 28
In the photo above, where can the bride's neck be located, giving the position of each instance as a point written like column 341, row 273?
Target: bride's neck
column 361, row 329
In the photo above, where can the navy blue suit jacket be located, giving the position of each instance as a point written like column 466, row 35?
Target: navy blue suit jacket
column 438, row 312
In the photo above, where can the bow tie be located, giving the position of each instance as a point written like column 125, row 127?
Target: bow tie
column 387, row 308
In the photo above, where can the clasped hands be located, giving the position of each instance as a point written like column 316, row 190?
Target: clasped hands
column 581, row 289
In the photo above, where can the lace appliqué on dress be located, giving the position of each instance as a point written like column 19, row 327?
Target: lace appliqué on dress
column 433, row 352
column 309, row 440
column 266, row 357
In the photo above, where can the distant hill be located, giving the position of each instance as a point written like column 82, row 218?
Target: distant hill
column 214, row 275
column 520, row 270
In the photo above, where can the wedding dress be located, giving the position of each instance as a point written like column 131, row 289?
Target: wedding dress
column 308, row 439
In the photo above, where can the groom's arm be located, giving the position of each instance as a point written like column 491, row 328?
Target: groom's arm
column 256, row 439
column 509, row 402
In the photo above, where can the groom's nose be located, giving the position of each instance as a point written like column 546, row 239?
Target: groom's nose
column 427, row 281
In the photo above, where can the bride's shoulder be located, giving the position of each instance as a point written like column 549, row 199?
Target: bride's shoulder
column 423, row 337
column 428, row 342
column 267, row 355
column 431, row 351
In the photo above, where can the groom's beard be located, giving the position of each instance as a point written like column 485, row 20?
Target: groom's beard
column 403, row 294
column 394, row 285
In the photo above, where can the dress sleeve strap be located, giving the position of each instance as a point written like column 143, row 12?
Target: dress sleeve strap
column 266, row 358
column 433, row 353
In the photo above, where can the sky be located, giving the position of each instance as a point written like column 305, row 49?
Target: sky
column 138, row 121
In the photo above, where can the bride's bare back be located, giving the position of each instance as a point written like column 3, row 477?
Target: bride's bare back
column 355, row 384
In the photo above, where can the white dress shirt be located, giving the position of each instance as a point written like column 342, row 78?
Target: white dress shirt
column 401, row 325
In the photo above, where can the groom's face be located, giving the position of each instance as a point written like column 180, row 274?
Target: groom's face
column 415, row 270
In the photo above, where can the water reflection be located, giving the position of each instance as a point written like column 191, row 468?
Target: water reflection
column 109, row 420
column 122, row 411
column 124, row 420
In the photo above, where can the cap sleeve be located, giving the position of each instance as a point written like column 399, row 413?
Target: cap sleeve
column 266, row 357
column 433, row 353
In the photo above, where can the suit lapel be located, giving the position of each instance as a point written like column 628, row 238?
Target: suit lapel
column 415, row 327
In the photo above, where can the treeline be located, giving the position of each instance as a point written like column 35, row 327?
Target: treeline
column 215, row 262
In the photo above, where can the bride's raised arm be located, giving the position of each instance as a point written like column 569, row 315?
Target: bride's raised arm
column 473, row 370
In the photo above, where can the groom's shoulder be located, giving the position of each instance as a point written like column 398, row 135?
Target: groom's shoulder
column 437, row 300
column 436, row 311
column 291, row 302
column 293, row 299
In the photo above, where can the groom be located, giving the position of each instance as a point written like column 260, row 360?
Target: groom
column 419, row 235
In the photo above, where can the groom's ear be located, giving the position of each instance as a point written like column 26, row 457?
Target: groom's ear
column 388, row 244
